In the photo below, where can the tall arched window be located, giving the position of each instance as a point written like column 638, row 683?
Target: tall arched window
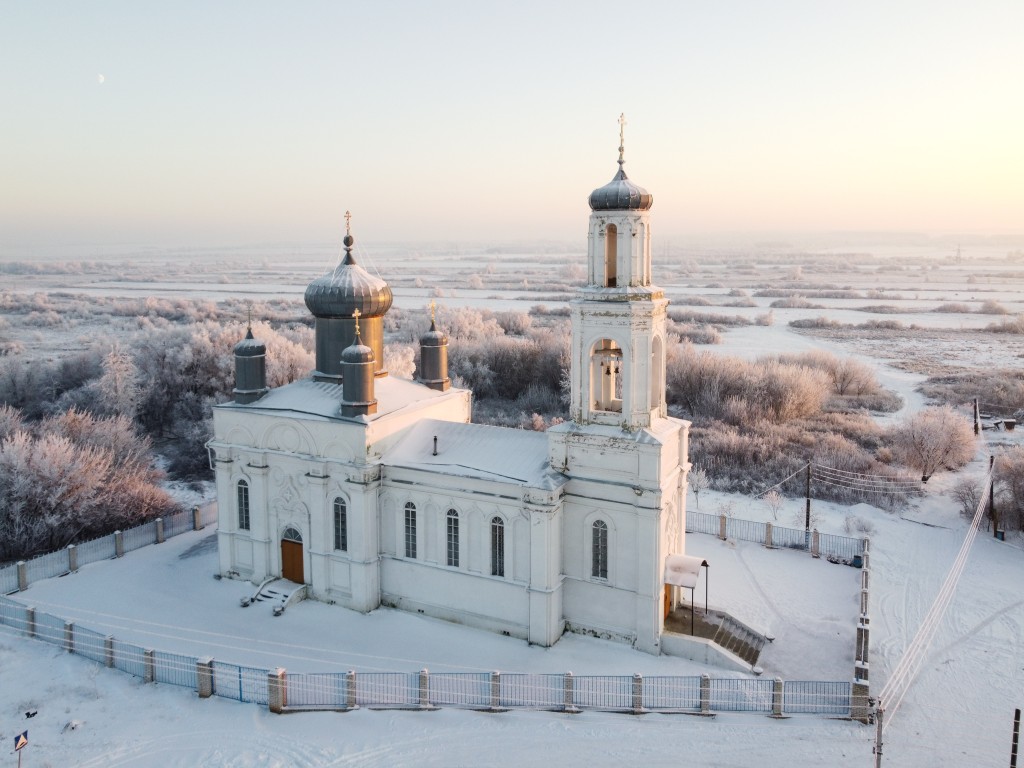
column 243, row 505
column 599, row 550
column 453, row 538
column 657, row 373
column 410, row 530
column 340, row 525
column 497, row 546
column 611, row 255
column 606, row 376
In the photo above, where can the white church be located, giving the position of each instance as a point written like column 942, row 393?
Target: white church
column 374, row 490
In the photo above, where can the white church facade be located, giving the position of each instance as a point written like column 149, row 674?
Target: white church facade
column 374, row 490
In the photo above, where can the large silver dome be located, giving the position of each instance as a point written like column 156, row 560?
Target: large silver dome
column 346, row 288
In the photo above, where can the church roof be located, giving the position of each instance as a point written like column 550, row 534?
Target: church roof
column 479, row 451
column 323, row 399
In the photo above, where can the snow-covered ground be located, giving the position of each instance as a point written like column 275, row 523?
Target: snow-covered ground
column 958, row 713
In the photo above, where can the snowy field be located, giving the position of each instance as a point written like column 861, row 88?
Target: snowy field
column 958, row 713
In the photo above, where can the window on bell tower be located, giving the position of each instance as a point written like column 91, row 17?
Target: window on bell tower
column 606, row 376
column 611, row 255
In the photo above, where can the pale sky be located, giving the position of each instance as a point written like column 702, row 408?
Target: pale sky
column 177, row 123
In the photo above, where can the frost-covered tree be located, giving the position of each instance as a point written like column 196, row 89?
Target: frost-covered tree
column 932, row 440
column 774, row 501
column 118, row 387
column 698, row 481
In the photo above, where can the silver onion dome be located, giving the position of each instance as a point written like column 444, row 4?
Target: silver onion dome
column 347, row 288
column 250, row 346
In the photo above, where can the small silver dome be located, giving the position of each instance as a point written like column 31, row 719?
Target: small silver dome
column 433, row 337
column 250, row 346
column 357, row 352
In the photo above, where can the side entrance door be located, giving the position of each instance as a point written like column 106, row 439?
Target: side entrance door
column 291, row 556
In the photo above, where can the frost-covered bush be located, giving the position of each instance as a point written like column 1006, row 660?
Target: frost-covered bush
column 932, row 440
column 72, row 478
column 1009, row 479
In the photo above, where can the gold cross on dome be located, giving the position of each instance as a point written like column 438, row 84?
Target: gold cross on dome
column 348, row 222
column 622, row 136
column 432, row 307
column 355, row 316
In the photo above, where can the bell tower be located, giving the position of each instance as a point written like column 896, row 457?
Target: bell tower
column 618, row 318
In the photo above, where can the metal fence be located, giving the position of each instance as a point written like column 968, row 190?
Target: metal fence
column 830, row 546
column 174, row 669
column 469, row 690
column 139, row 536
column 90, row 644
column 98, row 549
column 47, row 566
column 59, row 562
column 816, row 697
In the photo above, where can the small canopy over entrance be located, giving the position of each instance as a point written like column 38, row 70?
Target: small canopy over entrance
column 683, row 571
column 291, row 556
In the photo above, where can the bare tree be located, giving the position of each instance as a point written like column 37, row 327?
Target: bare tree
column 774, row 500
column 699, row 480
column 966, row 493
column 934, row 439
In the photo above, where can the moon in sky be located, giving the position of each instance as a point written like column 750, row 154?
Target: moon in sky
column 100, row 79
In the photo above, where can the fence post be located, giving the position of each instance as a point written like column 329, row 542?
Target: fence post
column 30, row 621
column 22, row 575
column 69, row 636
column 72, row 558
column 705, row 694
column 424, row 689
column 197, row 519
column 159, row 530
column 204, row 677
column 863, row 601
column 148, row 666
column 722, row 527
column 815, row 543
column 638, row 694
column 108, row 650
column 118, row 544
column 777, row 697
column 860, row 703
column 864, row 579
column 495, row 691
column 567, row 694
column 277, row 690
column 768, row 535
column 350, row 689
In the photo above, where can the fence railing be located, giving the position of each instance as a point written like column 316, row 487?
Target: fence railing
column 492, row 691
column 835, row 548
column 18, row 576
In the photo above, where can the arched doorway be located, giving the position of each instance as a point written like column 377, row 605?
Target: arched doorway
column 291, row 556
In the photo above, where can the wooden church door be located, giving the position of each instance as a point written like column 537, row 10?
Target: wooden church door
column 291, row 556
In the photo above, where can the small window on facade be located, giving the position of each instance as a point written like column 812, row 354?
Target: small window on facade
column 410, row 530
column 340, row 525
column 497, row 546
column 453, row 538
column 599, row 550
column 243, row 505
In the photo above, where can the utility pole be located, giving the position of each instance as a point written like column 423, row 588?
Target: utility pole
column 879, row 712
column 977, row 418
column 807, row 515
column 1016, row 736
column 992, row 494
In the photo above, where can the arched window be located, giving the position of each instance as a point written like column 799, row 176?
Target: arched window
column 410, row 530
column 611, row 255
column 291, row 534
column 453, row 538
column 243, row 505
column 599, row 550
column 497, row 546
column 340, row 525
column 606, row 376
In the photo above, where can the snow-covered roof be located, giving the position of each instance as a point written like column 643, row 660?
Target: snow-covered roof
column 475, row 450
column 323, row 399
